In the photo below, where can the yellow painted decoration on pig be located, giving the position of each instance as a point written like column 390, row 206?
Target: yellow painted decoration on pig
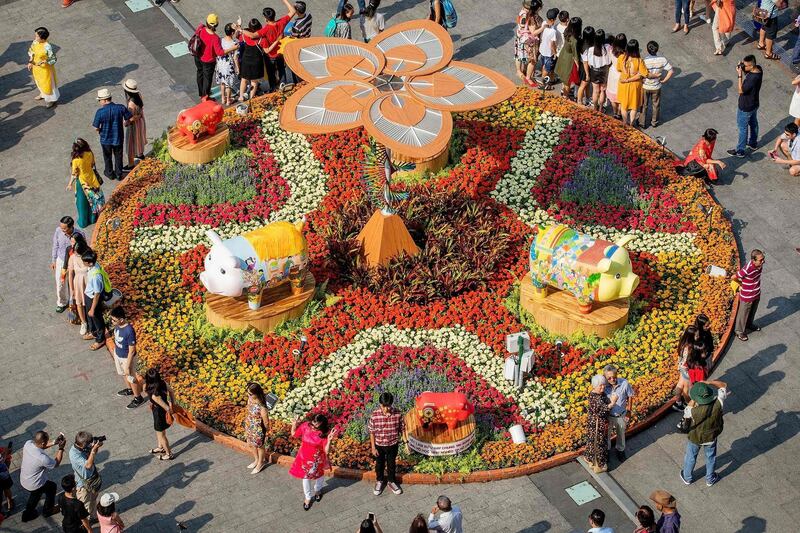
column 593, row 270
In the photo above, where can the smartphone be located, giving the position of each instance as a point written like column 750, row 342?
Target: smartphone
column 371, row 517
column 772, row 155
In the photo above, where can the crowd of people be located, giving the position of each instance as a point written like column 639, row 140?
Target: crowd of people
column 596, row 69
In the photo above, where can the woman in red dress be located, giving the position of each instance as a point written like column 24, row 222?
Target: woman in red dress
column 699, row 161
column 312, row 457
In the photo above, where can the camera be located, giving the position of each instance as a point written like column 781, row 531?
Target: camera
column 99, row 438
column 740, row 65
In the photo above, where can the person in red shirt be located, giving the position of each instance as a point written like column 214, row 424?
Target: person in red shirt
column 749, row 294
column 207, row 62
column 270, row 35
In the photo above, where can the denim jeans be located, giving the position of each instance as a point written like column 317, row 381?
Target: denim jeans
column 682, row 5
column 690, row 459
column 796, row 52
column 747, row 120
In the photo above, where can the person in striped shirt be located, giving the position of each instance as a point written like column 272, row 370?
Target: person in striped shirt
column 749, row 294
column 302, row 26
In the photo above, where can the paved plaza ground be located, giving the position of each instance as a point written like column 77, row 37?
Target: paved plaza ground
column 50, row 380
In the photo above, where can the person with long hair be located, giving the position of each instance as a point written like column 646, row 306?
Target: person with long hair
column 418, row 525
column 699, row 162
column 685, row 346
column 251, row 69
column 370, row 526
column 226, row 70
column 596, row 61
column 632, row 73
column 312, row 458
column 526, row 41
column 584, row 44
column 76, row 277
column 568, row 60
column 89, row 198
column 618, row 45
column 162, row 400
column 41, row 63
column 703, row 325
column 256, row 425
column 136, row 128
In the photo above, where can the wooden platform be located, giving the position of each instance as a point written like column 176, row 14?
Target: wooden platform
column 428, row 164
column 558, row 312
column 437, row 439
column 204, row 150
column 278, row 304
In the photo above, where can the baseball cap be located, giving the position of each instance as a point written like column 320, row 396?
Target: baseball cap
column 212, row 19
column 108, row 498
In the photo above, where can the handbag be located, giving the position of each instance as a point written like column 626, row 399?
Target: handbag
column 196, row 45
column 96, row 199
column 761, row 15
column 94, row 483
column 98, row 176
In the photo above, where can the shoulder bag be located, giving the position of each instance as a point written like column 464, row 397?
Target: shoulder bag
column 94, row 483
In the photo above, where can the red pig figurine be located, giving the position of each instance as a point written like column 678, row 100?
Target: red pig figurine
column 443, row 408
column 200, row 119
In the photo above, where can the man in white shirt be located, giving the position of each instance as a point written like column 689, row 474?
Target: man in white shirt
column 596, row 521
column 548, row 45
column 33, row 474
column 449, row 520
column 789, row 145
column 656, row 65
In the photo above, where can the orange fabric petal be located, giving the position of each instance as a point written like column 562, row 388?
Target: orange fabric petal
column 317, row 58
column 415, row 47
column 480, row 87
column 327, row 106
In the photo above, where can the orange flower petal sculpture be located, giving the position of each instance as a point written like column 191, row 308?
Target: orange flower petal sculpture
column 401, row 87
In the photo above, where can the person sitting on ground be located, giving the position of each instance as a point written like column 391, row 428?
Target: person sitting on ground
column 107, row 516
column 449, row 520
column 647, row 520
column 699, row 162
column 76, row 517
column 789, row 146
column 670, row 521
column 596, row 520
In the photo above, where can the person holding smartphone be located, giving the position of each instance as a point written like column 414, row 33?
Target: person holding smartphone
column 370, row 525
column 788, row 145
column 33, row 474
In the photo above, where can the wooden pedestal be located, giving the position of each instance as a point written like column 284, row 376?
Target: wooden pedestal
column 385, row 237
column 278, row 304
column 558, row 312
column 204, row 150
column 431, row 164
column 437, row 439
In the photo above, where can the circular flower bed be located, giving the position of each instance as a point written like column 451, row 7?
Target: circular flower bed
column 436, row 321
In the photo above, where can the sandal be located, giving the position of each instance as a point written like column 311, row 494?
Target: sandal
column 742, row 337
column 773, row 57
column 761, row 47
column 169, row 457
column 157, row 450
column 676, row 28
column 96, row 346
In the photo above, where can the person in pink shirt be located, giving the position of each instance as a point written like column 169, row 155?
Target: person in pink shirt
column 312, row 457
column 749, row 294
column 207, row 60
column 107, row 516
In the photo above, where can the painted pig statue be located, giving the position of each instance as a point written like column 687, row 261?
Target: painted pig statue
column 593, row 270
column 275, row 253
column 199, row 120
column 448, row 408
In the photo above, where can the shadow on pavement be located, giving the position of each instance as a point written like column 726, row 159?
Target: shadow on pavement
column 419, row 7
column 8, row 187
column 705, row 92
column 177, row 476
column 18, row 414
column 105, row 77
column 539, row 527
column 761, row 440
column 753, row 524
column 752, row 368
column 165, row 522
column 784, row 307
column 485, row 40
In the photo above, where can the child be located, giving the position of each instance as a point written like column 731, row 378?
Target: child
column 107, row 516
column 76, row 517
column 374, row 23
column 547, row 47
column 596, row 520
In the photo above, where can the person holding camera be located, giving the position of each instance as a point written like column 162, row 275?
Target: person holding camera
column 33, row 474
column 750, row 77
column 83, row 456
column 385, row 428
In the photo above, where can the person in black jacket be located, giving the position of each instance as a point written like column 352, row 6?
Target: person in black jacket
column 750, row 76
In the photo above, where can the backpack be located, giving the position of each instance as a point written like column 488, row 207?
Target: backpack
column 698, row 373
column 330, row 28
column 450, row 15
column 196, row 44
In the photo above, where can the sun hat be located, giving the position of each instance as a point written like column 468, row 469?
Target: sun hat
column 212, row 19
column 104, row 94
column 703, row 393
column 663, row 499
column 108, row 498
column 131, row 86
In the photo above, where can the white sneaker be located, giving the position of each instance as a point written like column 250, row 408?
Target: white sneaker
column 84, row 328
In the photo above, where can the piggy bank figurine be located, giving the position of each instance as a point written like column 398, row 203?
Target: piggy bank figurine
column 199, row 120
column 271, row 255
column 593, row 270
column 448, row 408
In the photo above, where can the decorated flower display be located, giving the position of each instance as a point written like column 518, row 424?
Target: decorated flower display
column 437, row 320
